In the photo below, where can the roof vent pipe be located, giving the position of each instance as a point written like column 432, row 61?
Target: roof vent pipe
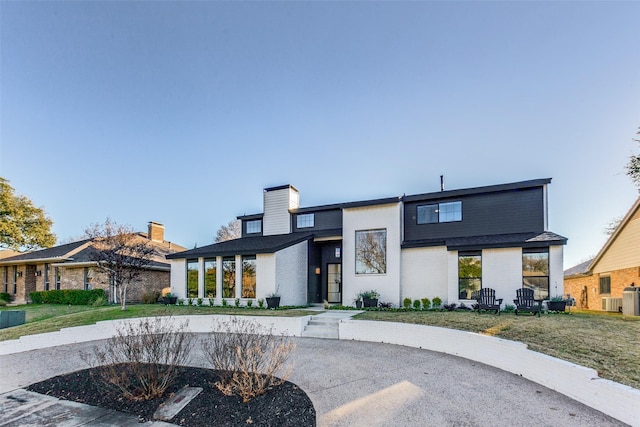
column 441, row 182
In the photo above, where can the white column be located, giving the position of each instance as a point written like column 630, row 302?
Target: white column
column 201, row 277
column 219, row 279
column 238, row 276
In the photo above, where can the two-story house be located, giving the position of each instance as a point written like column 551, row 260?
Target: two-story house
column 443, row 244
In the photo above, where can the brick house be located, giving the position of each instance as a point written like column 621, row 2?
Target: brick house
column 443, row 244
column 597, row 284
column 70, row 266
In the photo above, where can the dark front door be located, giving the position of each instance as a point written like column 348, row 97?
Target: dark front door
column 334, row 283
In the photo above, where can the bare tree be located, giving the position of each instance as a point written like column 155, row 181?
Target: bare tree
column 371, row 252
column 612, row 226
column 229, row 232
column 633, row 167
column 122, row 254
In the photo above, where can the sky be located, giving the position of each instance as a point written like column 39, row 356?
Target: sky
column 182, row 112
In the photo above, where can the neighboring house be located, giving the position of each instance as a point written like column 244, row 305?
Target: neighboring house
column 70, row 266
column 597, row 284
column 445, row 244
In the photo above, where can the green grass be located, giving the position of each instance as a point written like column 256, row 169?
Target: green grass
column 43, row 318
column 608, row 343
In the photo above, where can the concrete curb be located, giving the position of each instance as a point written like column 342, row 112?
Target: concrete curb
column 577, row 382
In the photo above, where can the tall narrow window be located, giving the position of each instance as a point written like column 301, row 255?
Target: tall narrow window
column 249, row 276
column 210, row 277
column 5, row 280
column 469, row 273
column 371, row 251
column 535, row 271
column 85, row 276
column 192, row 278
column 15, row 279
column 228, row 277
column 46, row 276
column 58, row 274
column 305, row 220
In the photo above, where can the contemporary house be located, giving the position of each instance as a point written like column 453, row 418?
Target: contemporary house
column 71, row 266
column 443, row 244
column 597, row 284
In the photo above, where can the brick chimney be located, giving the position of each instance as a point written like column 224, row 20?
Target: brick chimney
column 156, row 232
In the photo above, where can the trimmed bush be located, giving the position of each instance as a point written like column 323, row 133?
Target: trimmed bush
column 426, row 304
column 5, row 296
column 436, row 303
column 416, row 304
column 406, row 303
column 67, row 296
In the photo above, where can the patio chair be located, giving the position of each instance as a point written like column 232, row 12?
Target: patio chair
column 486, row 300
column 526, row 302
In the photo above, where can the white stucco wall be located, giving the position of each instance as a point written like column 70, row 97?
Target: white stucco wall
column 424, row 273
column 179, row 277
column 387, row 217
column 291, row 274
column 502, row 271
column 556, row 274
column 276, row 218
column 265, row 275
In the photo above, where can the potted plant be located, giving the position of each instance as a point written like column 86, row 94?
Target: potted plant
column 556, row 303
column 369, row 298
column 169, row 299
column 358, row 301
column 273, row 300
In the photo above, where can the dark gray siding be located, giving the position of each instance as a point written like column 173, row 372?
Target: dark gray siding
column 515, row 211
column 324, row 220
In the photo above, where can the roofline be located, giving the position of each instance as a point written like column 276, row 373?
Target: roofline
column 479, row 190
column 614, row 235
column 95, row 264
column 280, row 187
column 35, row 261
column 205, row 254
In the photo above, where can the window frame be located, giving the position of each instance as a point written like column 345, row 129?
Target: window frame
column 188, row 291
column 529, row 280
column 604, row 282
column 254, row 226
column 307, row 220
column 469, row 254
column 232, row 273
column 437, row 213
column 249, row 282
column 207, row 275
column 361, row 260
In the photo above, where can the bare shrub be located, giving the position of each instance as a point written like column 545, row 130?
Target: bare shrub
column 142, row 359
column 249, row 357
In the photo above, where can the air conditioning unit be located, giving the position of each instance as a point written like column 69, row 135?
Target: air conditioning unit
column 611, row 304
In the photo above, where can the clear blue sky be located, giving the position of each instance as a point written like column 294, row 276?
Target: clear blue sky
column 182, row 112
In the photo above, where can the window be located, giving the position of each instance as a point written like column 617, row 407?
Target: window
column 15, row 279
column 228, row 277
column 46, row 276
column 249, row 276
column 254, row 226
column 371, row 251
column 6, row 280
column 210, row 277
column 58, row 277
column 305, row 221
column 469, row 273
column 535, row 271
column 85, row 278
column 605, row 284
column 442, row 212
column 192, row 278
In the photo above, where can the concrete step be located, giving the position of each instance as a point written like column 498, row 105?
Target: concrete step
column 321, row 327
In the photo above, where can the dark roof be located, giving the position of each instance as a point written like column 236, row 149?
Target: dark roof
column 245, row 246
column 478, row 190
column 582, row 268
column 524, row 240
column 61, row 252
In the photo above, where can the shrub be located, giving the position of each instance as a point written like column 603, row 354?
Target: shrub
column 385, row 305
column 509, row 308
column 406, row 303
column 249, row 303
column 199, row 302
column 450, row 307
column 426, row 304
column 224, row 302
column 99, row 302
column 67, row 296
column 237, row 302
column 5, row 296
column 141, row 360
column 150, row 297
column 248, row 357
column 261, row 303
column 436, row 303
column 416, row 304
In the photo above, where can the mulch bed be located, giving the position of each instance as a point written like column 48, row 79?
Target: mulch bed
column 285, row 405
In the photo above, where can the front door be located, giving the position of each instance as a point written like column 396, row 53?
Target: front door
column 334, row 283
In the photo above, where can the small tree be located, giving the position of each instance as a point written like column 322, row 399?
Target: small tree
column 633, row 167
column 22, row 225
column 230, row 231
column 122, row 254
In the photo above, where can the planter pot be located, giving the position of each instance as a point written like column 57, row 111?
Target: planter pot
column 358, row 304
column 556, row 305
column 370, row 302
column 273, row 302
column 170, row 300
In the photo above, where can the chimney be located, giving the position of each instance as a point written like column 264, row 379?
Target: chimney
column 156, row 232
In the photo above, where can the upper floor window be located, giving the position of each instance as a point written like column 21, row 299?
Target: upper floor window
column 441, row 212
column 254, row 226
column 305, row 220
column 371, row 251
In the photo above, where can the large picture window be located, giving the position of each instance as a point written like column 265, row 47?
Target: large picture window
column 249, row 276
column 535, row 271
column 228, row 277
column 469, row 273
column 192, row 278
column 441, row 212
column 371, row 251
column 210, row 272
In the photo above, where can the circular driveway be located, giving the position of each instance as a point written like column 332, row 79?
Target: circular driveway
column 353, row 383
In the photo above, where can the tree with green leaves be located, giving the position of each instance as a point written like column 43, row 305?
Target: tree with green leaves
column 633, row 167
column 23, row 227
